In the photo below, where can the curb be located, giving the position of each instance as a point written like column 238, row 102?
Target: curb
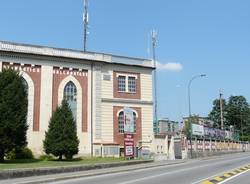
column 11, row 174
column 226, row 176
column 60, row 178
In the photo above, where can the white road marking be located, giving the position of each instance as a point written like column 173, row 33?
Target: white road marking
column 233, row 177
column 167, row 173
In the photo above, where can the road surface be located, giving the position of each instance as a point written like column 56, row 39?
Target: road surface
column 192, row 172
column 189, row 172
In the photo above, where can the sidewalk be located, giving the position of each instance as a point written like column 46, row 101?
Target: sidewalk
column 76, row 174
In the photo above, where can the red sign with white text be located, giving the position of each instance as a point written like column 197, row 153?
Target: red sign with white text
column 128, row 145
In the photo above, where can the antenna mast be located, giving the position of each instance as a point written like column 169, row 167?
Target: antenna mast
column 86, row 23
column 221, row 111
column 154, row 41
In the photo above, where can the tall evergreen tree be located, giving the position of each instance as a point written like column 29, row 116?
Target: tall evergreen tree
column 13, row 112
column 61, row 137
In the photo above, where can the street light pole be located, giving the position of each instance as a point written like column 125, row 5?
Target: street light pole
column 189, row 108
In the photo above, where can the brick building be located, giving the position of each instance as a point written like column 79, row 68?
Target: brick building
column 97, row 87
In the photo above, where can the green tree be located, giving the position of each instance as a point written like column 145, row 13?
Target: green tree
column 193, row 119
column 61, row 137
column 13, row 112
column 238, row 114
column 215, row 115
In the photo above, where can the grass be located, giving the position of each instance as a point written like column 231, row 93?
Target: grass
column 37, row 163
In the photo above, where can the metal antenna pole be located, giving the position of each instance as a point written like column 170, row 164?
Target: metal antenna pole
column 221, row 112
column 86, row 22
column 154, row 40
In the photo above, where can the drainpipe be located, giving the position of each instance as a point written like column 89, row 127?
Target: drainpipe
column 91, row 112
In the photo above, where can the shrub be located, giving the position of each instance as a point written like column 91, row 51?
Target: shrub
column 46, row 157
column 21, row 153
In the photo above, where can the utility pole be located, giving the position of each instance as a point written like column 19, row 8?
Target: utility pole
column 154, row 41
column 221, row 112
column 86, row 23
column 189, row 109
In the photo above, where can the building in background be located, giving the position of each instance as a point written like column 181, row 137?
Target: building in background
column 97, row 87
column 165, row 126
column 205, row 121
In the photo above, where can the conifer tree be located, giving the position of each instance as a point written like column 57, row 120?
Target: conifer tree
column 13, row 112
column 61, row 137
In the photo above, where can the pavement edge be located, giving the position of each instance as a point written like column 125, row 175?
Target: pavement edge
column 226, row 175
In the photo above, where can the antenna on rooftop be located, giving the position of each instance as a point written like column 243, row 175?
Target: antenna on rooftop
column 154, row 42
column 86, row 23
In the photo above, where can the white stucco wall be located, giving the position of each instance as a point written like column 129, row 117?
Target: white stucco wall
column 46, row 97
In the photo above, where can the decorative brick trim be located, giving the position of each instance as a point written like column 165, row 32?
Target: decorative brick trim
column 118, row 137
column 127, row 95
column 81, row 77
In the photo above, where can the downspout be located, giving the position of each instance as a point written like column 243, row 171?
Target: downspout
column 91, row 112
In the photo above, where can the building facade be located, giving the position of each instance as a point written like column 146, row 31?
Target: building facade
column 97, row 87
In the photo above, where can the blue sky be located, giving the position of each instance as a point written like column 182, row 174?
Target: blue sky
column 209, row 36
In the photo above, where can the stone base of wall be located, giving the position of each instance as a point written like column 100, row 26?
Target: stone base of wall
column 209, row 153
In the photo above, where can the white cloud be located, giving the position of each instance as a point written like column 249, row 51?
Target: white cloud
column 171, row 67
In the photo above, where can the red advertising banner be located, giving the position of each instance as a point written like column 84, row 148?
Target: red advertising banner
column 128, row 145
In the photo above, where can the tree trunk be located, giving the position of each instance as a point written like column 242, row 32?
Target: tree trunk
column 1, row 155
column 60, row 157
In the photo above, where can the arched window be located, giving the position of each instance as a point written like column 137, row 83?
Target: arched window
column 26, row 87
column 121, row 122
column 70, row 94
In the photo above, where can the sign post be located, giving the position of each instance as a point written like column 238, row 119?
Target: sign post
column 128, row 132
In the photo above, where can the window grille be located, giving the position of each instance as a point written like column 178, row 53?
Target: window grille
column 70, row 94
column 131, row 84
column 122, row 83
column 121, row 122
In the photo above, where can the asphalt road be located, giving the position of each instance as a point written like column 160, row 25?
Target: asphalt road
column 243, row 178
column 191, row 172
column 179, row 172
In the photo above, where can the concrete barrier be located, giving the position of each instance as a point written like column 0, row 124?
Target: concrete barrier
column 205, row 148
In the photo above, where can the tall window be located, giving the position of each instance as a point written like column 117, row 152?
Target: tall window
column 122, row 83
column 26, row 87
column 121, row 121
column 70, row 94
column 131, row 84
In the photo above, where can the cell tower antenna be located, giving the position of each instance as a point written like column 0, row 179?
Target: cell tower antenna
column 86, row 23
column 154, row 42
column 221, row 110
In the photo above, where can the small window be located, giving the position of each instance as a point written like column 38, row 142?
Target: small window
column 122, row 83
column 131, row 84
column 134, row 122
column 121, row 122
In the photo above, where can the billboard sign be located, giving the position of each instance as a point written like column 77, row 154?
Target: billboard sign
column 197, row 130
column 128, row 120
column 128, row 145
